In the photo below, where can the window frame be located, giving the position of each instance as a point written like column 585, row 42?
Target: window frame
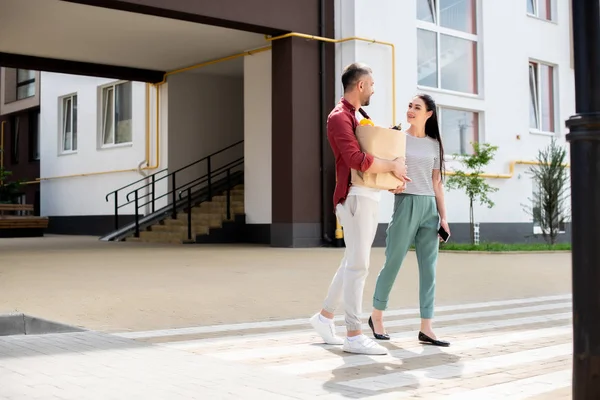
column 27, row 82
column 539, row 93
column 551, row 9
column 102, row 119
column 439, row 30
column 74, row 126
column 478, row 133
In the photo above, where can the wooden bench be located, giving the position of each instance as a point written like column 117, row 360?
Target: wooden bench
column 28, row 208
column 21, row 225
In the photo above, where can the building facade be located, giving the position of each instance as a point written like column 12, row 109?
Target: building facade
column 20, row 131
column 495, row 78
column 105, row 126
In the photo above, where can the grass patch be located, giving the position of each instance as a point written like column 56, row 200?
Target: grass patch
column 506, row 247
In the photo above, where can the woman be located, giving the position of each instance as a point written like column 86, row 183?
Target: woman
column 419, row 210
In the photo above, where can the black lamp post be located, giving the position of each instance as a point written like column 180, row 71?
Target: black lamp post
column 584, row 138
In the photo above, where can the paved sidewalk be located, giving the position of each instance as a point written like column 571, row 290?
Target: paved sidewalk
column 134, row 286
column 516, row 348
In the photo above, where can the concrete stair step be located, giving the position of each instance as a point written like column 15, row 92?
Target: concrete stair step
column 219, row 204
column 223, row 199
column 212, row 220
column 176, row 229
column 218, row 211
column 182, row 234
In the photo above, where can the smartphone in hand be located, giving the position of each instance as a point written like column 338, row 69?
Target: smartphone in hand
column 443, row 234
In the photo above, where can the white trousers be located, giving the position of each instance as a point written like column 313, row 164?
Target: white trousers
column 358, row 215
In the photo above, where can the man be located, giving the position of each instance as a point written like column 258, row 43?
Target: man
column 357, row 210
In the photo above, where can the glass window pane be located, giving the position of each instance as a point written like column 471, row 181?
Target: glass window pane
column 458, row 62
column 66, row 124
column 25, row 75
column 25, row 91
column 427, row 63
column 68, row 115
column 459, row 15
column 426, row 10
column 531, row 6
column 108, row 116
column 74, row 122
column 123, row 113
column 547, row 97
column 545, row 9
column 533, row 97
column 459, row 129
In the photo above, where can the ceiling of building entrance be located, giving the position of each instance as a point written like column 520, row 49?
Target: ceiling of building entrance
column 69, row 31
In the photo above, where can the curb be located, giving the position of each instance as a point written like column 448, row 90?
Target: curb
column 22, row 324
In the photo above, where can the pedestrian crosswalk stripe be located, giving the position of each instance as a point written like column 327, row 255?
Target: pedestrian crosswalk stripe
column 332, row 363
column 520, row 389
column 525, row 344
column 433, row 375
column 308, row 334
column 302, row 321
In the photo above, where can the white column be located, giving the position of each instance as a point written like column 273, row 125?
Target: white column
column 257, row 138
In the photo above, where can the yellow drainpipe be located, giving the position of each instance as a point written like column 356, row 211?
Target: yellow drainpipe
column 511, row 170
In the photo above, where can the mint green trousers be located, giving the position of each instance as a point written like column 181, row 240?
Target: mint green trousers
column 415, row 220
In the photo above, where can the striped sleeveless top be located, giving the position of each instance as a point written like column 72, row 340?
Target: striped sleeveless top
column 422, row 157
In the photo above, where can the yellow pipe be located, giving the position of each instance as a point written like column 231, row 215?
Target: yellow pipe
column 511, row 169
column 218, row 60
column 348, row 39
column 147, row 124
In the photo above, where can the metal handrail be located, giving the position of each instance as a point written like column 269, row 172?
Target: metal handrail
column 206, row 178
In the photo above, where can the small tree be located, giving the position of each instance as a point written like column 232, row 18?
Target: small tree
column 549, row 205
column 8, row 190
column 475, row 187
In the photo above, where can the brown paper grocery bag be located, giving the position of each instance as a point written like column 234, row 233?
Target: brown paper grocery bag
column 382, row 143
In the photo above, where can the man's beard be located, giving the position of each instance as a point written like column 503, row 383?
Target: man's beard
column 366, row 102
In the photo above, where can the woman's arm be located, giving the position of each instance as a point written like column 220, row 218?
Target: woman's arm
column 438, row 188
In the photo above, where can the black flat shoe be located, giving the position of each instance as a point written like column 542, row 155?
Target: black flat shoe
column 426, row 339
column 384, row 336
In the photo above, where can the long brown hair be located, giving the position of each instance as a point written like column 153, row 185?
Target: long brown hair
column 432, row 127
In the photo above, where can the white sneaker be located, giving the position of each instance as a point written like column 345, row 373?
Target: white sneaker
column 325, row 330
column 363, row 345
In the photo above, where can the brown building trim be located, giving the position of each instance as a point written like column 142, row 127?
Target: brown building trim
column 271, row 17
column 80, row 68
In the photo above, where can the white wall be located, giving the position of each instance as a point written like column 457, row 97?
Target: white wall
column 257, row 138
column 509, row 38
column 206, row 114
column 85, row 195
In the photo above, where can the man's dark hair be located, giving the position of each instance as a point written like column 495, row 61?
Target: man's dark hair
column 352, row 74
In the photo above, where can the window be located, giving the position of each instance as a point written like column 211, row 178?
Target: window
column 540, row 8
column 541, row 97
column 25, row 83
column 34, row 136
column 459, row 128
column 116, row 114
column 447, row 45
column 69, row 123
